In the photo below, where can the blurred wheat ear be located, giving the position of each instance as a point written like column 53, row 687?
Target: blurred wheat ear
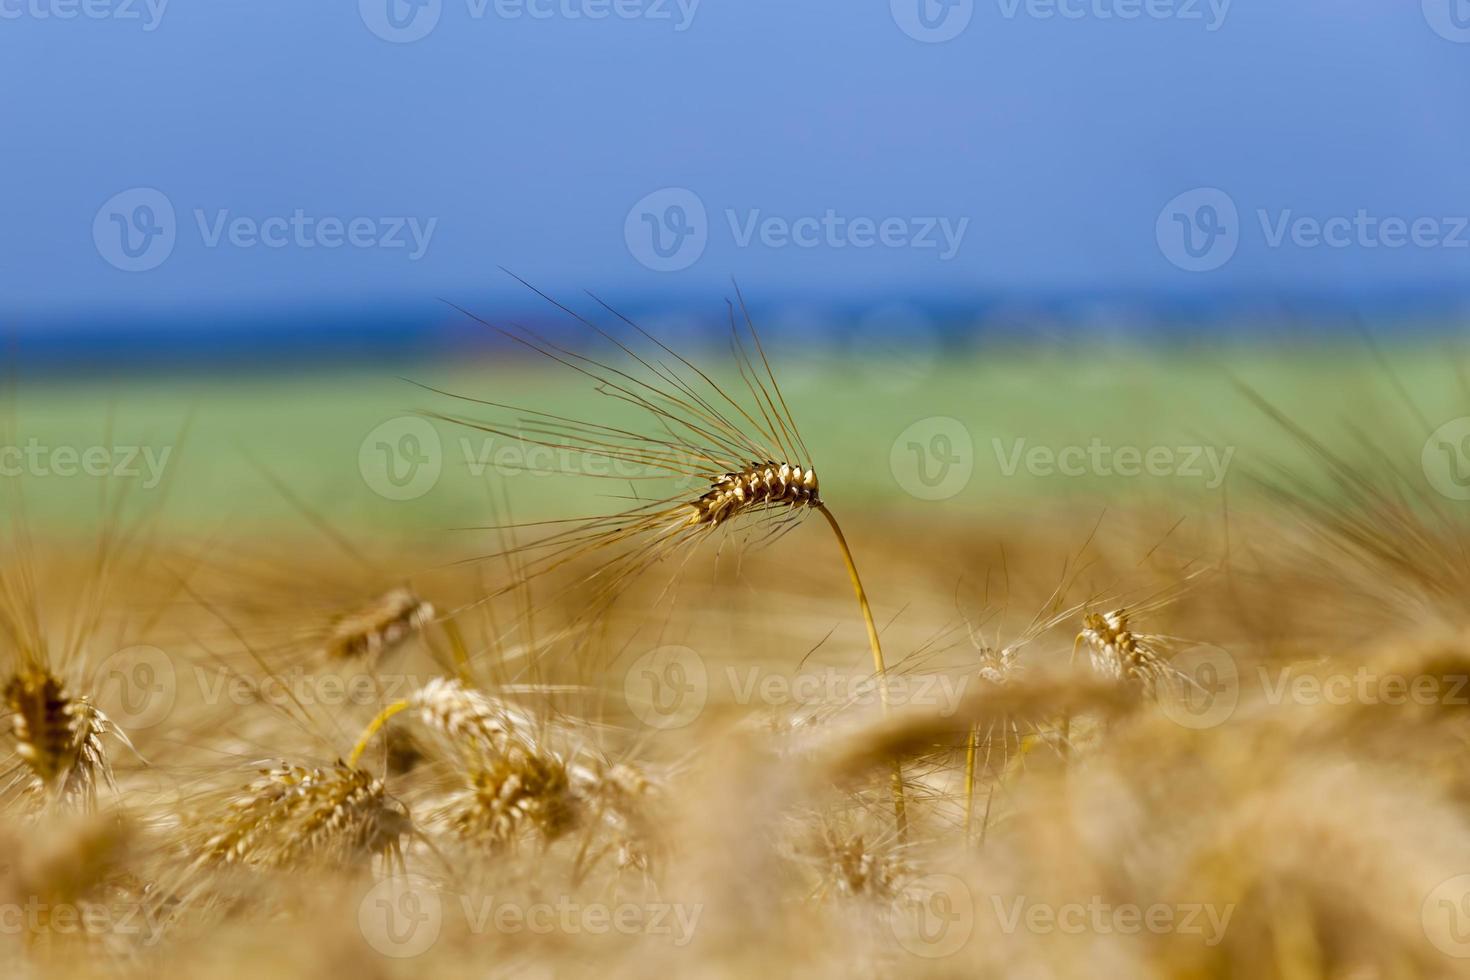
column 743, row 453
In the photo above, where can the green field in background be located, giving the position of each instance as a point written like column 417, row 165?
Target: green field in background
column 871, row 426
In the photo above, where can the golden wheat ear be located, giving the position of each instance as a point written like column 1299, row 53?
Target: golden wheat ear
column 745, row 452
column 59, row 739
column 520, row 776
column 292, row 815
column 379, row 627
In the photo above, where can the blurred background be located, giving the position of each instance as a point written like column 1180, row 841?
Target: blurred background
column 973, row 230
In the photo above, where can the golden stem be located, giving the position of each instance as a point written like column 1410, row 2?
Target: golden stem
column 375, row 726
column 900, row 810
column 970, row 747
column 1066, row 746
column 460, row 651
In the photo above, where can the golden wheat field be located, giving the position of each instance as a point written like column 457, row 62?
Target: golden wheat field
column 733, row 723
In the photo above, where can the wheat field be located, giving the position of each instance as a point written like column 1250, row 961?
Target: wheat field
column 735, row 711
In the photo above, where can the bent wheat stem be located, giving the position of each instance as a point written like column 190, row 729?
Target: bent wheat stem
column 900, row 810
column 375, row 726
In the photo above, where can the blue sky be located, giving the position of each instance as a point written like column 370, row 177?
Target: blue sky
column 315, row 154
